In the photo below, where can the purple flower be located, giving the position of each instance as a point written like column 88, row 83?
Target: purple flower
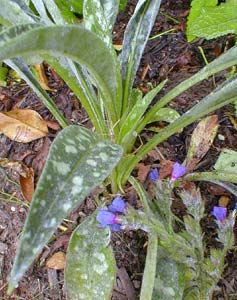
column 154, row 174
column 105, row 217
column 118, row 205
column 220, row 213
column 178, row 171
column 115, row 227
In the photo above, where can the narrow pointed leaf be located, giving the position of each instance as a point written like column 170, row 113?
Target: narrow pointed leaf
column 12, row 13
column 23, row 70
column 166, row 114
column 136, row 113
column 219, row 175
column 148, row 279
column 76, row 78
column 54, row 11
column 223, row 95
column 110, row 11
column 63, row 40
column 90, row 265
column 224, row 61
column 78, row 161
column 95, row 21
column 39, row 6
column 135, row 38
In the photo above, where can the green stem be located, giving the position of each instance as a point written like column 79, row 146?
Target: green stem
column 149, row 274
column 162, row 33
column 212, row 176
column 114, row 185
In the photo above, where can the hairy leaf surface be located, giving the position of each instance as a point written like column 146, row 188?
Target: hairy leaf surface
column 63, row 40
column 12, row 13
column 90, row 266
column 208, row 20
column 78, row 161
column 135, row 38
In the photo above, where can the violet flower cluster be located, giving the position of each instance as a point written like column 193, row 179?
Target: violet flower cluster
column 109, row 216
column 178, row 171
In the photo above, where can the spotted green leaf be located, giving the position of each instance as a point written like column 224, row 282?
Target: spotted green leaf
column 227, row 161
column 78, row 161
column 63, row 41
column 135, row 38
column 148, row 279
column 11, row 11
column 166, row 114
column 90, row 266
column 134, row 116
column 170, row 278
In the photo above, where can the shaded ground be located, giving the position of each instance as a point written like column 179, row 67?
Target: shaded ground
column 169, row 56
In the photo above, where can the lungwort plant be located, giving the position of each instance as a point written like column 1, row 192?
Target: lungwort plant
column 179, row 264
column 79, row 159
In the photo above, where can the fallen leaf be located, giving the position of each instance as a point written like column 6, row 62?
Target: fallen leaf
column 153, row 156
column 118, row 47
column 215, row 189
column 142, row 172
column 165, row 169
column 233, row 120
column 27, row 185
column 17, row 166
column 201, row 141
column 53, row 125
column 57, row 261
column 23, row 125
column 224, row 201
column 42, row 77
column 26, row 176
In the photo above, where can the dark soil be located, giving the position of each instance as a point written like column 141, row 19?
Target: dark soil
column 169, row 56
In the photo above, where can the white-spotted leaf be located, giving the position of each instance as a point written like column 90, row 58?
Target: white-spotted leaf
column 90, row 265
column 227, row 161
column 78, row 161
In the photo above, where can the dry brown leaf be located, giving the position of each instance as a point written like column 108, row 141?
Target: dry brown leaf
column 27, row 184
column 118, row 47
column 142, row 172
column 224, row 201
column 165, row 169
column 201, row 141
column 42, row 77
column 26, row 176
column 57, row 261
column 215, row 189
column 23, row 125
column 53, row 125
column 233, row 120
column 17, row 166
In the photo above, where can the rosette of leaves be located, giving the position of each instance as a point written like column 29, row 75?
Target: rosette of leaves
column 84, row 56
